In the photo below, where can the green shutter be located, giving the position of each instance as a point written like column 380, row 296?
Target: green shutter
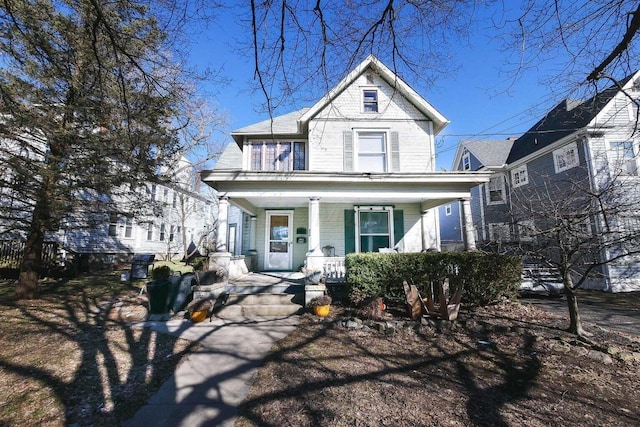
column 349, row 231
column 398, row 225
column 348, row 151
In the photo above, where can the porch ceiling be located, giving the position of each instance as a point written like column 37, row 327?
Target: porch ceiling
column 278, row 190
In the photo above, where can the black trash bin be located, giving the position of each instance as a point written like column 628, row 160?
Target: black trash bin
column 158, row 292
column 140, row 265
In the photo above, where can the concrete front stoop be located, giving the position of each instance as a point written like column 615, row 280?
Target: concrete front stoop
column 259, row 296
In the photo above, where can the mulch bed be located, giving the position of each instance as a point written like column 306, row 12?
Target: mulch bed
column 510, row 364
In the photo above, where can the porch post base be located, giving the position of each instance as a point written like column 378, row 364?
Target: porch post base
column 220, row 262
column 312, row 291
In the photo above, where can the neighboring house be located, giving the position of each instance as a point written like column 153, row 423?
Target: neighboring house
column 176, row 213
column 590, row 144
column 354, row 172
column 476, row 155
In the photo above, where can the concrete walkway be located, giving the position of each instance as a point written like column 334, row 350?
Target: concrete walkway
column 208, row 387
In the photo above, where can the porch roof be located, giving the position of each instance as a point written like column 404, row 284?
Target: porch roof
column 250, row 190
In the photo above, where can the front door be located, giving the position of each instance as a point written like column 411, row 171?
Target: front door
column 278, row 239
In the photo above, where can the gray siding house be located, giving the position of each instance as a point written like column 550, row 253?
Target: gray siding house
column 354, row 172
column 587, row 147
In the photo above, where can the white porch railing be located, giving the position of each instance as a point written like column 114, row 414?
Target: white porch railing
column 334, row 269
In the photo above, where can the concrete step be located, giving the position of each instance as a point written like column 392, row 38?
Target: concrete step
column 265, row 299
column 259, row 310
column 278, row 288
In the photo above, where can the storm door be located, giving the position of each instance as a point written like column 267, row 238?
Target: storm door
column 278, row 241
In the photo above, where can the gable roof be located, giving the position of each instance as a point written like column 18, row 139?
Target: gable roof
column 491, row 153
column 371, row 62
column 564, row 119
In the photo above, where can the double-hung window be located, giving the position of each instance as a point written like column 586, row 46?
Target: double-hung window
column 370, row 100
column 371, row 151
column 113, row 224
column 128, row 227
column 566, row 157
column 466, row 160
column 622, row 158
column 374, row 228
column 277, row 156
column 496, row 190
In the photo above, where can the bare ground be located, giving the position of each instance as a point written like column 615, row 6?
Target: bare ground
column 507, row 365
column 71, row 357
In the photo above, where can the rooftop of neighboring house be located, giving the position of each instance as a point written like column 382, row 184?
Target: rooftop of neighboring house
column 564, row 119
column 491, row 153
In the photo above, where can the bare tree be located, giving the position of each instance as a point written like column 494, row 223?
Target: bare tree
column 90, row 95
column 579, row 226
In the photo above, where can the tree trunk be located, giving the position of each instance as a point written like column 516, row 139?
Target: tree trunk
column 575, row 324
column 27, row 287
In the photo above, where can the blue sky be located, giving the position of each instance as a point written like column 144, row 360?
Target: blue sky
column 477, row 97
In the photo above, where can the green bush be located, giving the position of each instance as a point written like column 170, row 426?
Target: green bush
column 486, row 277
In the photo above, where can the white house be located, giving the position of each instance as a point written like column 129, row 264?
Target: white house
column 355, row 172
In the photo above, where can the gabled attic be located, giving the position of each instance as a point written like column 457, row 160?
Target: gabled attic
column 296, row 122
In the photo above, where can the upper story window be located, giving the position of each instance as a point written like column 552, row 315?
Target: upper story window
column 519, row 176
column 466, row 160
column 370, row 100
column 113, row 224
column 150, row 231
column 447, row 210
column 622, row 158
column 496, row 190
column 371, row 148
column 128, row 227
column 153, row 192
column 566, row 157
column 277, row 156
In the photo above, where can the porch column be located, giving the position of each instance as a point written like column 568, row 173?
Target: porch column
column 223, row 214
column 252, row 233
column 467, row 220
column 314, row 226
column 424, row 224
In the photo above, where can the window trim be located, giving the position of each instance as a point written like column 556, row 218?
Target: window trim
column 356, row 148
column 616, row 163
column 493, row 226
column 516, row 178
column 375, row 103
column 503, row 198
column 561, row 155
column 358, row 209
column 260, row 166
column 466, row 160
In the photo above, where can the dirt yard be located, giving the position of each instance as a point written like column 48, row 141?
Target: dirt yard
column 71, row 357
column 508, row 365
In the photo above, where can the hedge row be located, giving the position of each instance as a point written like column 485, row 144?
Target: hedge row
column 487, row 277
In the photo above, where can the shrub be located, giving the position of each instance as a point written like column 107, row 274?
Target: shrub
column 200, row 263
column 486, row 277
column 161, row 273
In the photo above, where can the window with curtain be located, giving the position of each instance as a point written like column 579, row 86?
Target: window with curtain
column 277, row 156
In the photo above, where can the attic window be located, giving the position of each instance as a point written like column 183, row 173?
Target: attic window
column 466, row 160
column 370, row 97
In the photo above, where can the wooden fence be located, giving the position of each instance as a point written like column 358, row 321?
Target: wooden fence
column 11, row 252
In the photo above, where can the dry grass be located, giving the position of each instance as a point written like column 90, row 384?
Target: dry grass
column 510, row 365
column 71, row 357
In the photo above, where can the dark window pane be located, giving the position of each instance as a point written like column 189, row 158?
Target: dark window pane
column 373, row 243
